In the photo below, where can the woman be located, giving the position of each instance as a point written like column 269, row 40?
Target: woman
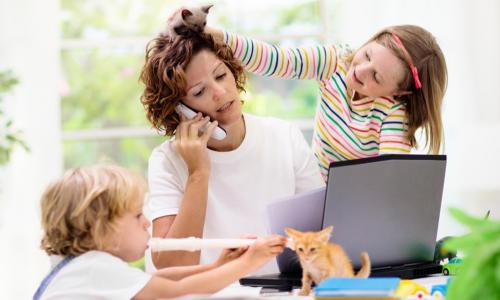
column 205, row 187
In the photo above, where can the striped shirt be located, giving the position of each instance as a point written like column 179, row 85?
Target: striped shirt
column 345, row 129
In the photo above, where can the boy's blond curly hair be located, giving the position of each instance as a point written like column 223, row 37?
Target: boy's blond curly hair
column 80, row 210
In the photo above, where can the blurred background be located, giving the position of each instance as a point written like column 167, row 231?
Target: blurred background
column 69, row 94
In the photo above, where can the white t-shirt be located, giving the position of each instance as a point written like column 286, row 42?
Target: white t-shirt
column 95, row 275
column 273, row 161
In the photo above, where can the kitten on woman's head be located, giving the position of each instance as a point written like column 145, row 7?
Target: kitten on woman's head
column 320, row 259
column 185, row 21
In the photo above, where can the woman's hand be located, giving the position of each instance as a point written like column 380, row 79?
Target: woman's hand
column 191, row 143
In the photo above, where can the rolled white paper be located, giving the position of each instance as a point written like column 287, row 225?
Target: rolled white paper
column 195, row 244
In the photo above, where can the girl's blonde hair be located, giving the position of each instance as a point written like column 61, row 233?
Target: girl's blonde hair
column 80, row 210
column 423, row 106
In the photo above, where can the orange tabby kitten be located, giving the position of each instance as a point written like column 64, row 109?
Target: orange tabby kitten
column 320, row 259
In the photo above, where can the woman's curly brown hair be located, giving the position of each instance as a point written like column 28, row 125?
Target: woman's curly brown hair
column 164, row 78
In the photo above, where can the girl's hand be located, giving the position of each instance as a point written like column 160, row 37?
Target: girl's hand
column 191, row 144
column 264, row 249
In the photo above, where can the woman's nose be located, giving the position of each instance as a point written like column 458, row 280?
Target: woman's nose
column 219, row 91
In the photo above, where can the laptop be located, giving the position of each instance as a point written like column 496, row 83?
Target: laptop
column 387, row 205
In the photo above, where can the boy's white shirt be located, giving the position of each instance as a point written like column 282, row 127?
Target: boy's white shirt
column 95, row 275
column 274, row 161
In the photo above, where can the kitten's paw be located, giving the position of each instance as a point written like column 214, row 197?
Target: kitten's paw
column 304, row 292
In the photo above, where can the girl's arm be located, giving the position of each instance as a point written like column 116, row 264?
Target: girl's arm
column 213, row 280
column 313, row 62
column 190, row 219
column 393, row 134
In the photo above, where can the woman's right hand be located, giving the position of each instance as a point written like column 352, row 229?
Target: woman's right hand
column 191, row 145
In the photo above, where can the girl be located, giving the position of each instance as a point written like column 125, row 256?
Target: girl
column 373, row 100
column 201, row 186
column 93, row 225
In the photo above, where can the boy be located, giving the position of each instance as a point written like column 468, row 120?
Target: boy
column 93, row 225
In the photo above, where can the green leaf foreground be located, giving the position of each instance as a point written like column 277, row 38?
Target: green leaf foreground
column 479, row 276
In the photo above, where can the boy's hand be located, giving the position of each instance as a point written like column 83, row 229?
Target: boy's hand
column 228, row 255
column 265, row 248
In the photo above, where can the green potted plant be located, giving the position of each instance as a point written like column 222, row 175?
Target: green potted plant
column 9, row 136
column 479, row 276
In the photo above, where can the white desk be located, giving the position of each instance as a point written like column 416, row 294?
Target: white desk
column 239, row 292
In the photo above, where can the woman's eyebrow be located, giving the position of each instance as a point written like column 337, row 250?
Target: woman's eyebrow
column 217, row 67
column 192, row 86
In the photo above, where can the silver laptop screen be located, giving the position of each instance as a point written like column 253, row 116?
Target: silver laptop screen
column 388, row 206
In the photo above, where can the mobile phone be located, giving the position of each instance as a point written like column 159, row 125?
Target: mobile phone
column 219, row 133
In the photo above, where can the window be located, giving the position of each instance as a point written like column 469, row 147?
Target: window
column 103, row 51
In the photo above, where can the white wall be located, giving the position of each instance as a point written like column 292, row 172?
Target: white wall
column 29, row 45
column 469, row 35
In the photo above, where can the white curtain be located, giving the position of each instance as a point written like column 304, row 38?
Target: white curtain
column 29, row 46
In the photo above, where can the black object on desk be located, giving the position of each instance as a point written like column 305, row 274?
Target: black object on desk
column 287, row 282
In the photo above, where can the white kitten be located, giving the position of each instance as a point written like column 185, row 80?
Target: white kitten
column 187, row 20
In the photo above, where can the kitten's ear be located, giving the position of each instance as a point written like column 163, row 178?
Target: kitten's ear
column 290, row 244
column 326, row 233
column 329, row 229
column 206, row 8
column 292, row 232
column 186, row 13
column 292, row 235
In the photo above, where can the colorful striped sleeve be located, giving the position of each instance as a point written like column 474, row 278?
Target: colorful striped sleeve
column 313, row 62
column 393, row 132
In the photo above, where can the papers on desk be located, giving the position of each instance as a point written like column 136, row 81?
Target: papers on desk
column 237, row 291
